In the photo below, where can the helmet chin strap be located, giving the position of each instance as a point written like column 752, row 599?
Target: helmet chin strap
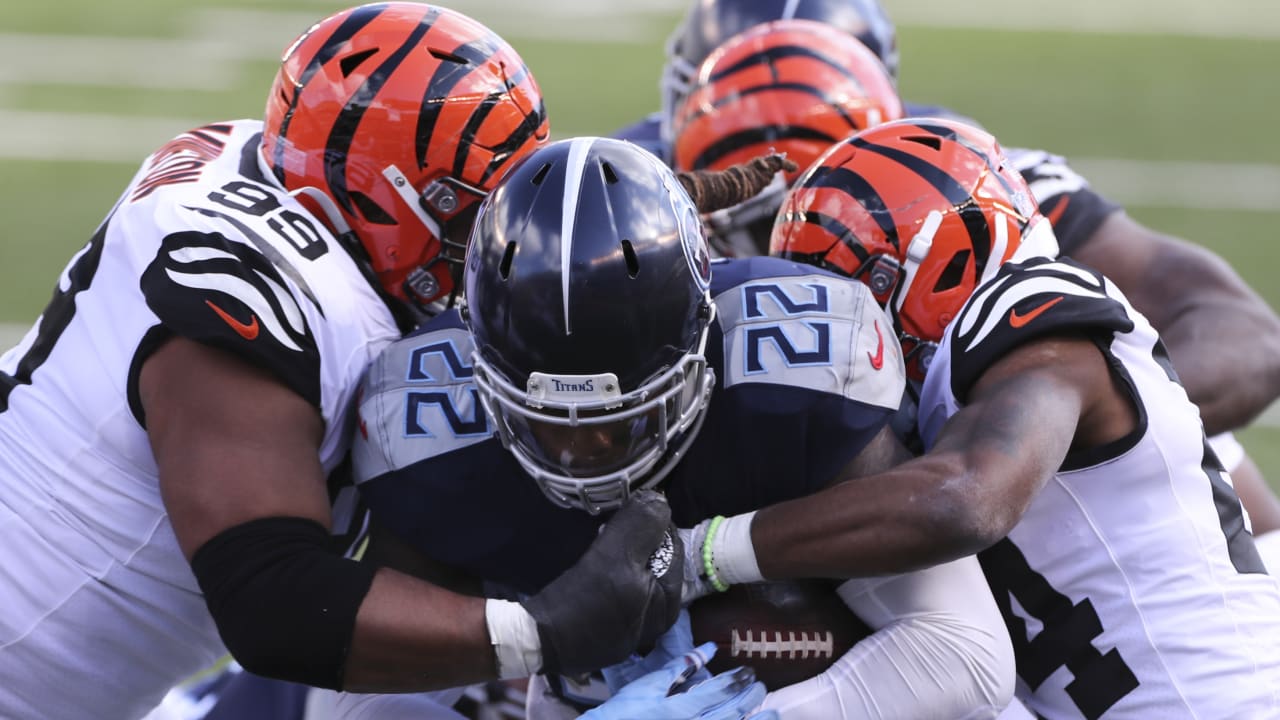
column 917, row 250
column 410, row 196
column 327, row 206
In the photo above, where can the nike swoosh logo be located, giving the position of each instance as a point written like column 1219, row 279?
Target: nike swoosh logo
column 248, row 331
column 877, row 360
column 1018, row 321
column 1055, row 215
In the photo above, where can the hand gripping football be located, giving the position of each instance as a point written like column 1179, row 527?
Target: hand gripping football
column 786, row 631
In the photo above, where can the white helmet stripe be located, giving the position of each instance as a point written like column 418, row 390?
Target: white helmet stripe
column 789, row 11
column 578, row 150
column 996, row 256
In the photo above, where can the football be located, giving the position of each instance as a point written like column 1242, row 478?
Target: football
column 786, row 631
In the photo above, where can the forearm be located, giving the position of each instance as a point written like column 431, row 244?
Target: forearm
column 986, row 464
column 288, row 607
column 411, row 635
column 928, row 511
column 940, row 650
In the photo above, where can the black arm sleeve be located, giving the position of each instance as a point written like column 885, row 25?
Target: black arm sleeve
column 284, row 599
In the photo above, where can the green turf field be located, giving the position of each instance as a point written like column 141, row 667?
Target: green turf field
column 107, row 81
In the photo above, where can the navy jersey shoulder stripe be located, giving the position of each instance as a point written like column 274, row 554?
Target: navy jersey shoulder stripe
column 729, row 273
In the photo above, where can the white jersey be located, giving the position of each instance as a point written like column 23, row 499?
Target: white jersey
column 99, row 611
column 1131, row 586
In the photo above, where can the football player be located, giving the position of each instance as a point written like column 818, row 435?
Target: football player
column 1196, row 301
column 793, row 87
column 167, row 425
column 1060, row 445
column 598, row 355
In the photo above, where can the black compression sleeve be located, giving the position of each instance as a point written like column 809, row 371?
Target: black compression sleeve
column 284, row 599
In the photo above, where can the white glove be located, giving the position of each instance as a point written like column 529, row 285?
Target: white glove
column 731, row 695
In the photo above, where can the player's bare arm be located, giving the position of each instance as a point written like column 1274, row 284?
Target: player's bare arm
column 1024, row 414
column 231, row 463
column 1200, row 306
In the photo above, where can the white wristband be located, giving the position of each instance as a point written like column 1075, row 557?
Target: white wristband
column 514, row 636
column 733, row 552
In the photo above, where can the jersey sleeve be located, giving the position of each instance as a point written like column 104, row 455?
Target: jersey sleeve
column 808, row 371
column 1027, row 301
column 226, row 294
column 1073, row 208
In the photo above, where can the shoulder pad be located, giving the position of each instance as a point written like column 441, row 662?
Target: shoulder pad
column 1026, row 301
column 800, row 327
column 417, row 400
column 227, row 294
column 1073, row 208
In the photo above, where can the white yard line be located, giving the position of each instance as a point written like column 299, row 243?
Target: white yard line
column 45, row 136
column 1193, row 18
column 1191, row 185
column 112, row 138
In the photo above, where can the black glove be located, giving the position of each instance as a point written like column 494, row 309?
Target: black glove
column 622, row 594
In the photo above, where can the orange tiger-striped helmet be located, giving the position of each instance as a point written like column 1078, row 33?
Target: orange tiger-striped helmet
column 793, row 86
column 789, row 86
column 396, row 119
column 922, row 210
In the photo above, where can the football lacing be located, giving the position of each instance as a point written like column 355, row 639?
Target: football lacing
column 793, row 645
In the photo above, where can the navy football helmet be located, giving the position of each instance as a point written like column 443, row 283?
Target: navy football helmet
column 587, row 292
column 710, row 23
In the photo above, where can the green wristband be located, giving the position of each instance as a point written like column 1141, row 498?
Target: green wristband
column 708, row 564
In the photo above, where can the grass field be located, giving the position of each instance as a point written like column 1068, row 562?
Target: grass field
column 1176, row 125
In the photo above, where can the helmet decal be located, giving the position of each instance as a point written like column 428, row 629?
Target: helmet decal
column 693, row 237
column 576, row 165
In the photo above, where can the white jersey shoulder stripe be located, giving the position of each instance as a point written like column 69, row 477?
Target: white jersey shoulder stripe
column 982, row 307
column 252, row 297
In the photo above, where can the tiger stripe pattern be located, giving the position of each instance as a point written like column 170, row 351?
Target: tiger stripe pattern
column 790, row 86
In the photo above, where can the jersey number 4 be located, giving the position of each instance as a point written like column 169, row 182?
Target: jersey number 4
column 1100, row 679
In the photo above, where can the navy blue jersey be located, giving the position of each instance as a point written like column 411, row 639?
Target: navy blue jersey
column 807, row 372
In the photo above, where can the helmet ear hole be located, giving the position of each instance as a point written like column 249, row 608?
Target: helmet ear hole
column 610, row 175
column 953, row 273
column 371, row 210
